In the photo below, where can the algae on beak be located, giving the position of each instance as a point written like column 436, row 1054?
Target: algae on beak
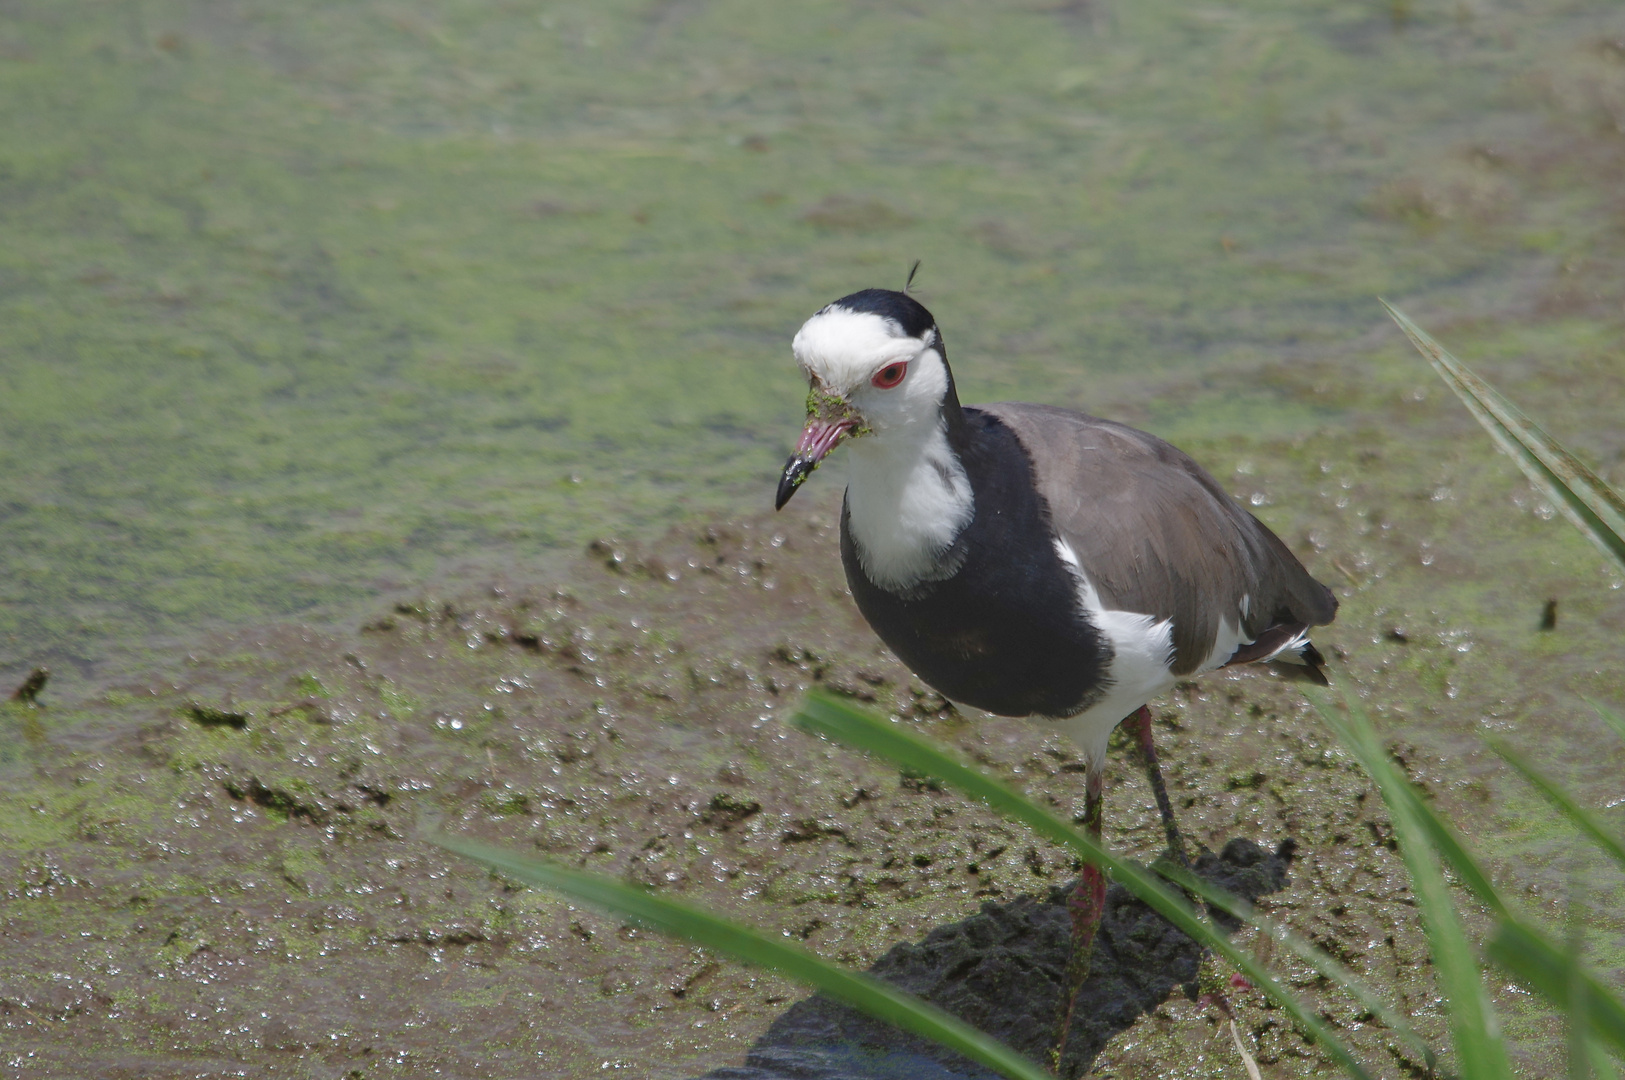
column 829, row 418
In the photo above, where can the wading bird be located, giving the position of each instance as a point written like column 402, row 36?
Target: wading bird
column 1032, row 561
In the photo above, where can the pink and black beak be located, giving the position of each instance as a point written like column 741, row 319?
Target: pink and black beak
column 818, row 438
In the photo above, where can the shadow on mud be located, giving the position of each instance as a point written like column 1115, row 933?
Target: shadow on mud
column 1001, row 970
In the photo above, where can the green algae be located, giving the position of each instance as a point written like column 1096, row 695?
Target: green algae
column 303, row 305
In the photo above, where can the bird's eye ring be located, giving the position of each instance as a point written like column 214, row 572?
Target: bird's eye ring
column 890, row 375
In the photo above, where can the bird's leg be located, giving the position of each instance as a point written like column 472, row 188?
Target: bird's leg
column 1153, row 773
column 1211, row 988
column 1086, row 905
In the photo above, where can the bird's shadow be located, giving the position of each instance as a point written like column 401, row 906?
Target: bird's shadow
column 1001, row 971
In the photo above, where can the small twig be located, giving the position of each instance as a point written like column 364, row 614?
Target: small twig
column 1246, row 1055
column 1218, row 999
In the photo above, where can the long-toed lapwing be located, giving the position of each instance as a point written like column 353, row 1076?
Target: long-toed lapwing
column 1032, row 561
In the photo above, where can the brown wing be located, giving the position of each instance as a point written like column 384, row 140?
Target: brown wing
column 1157, row 535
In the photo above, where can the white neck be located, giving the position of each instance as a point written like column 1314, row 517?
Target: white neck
column 908, row 499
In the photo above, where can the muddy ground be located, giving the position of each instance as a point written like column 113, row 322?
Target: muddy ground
column 221, row 877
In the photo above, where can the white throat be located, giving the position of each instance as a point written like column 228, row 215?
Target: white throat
column 908, row 499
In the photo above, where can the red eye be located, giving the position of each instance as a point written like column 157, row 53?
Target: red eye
column 890, row 375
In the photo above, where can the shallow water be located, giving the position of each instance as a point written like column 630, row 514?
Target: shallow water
column 302, row 305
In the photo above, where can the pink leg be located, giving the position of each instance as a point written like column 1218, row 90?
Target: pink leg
column 1088, row 901
column 1086, row 905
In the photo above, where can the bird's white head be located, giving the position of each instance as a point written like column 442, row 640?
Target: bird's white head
column 875, row 365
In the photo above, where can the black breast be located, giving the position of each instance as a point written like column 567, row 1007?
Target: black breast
column 1006, row 633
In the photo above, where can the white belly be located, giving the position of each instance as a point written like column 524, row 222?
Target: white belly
column 1141, row 666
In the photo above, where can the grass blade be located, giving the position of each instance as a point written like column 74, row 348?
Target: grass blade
column 1579, row 1022
column 864, row 992
column 1443, row 837
column 1526, row 953
column 1480, row 1052
column 1545, row 968
column 1587, row 822
column 1609, row 717
column 1584, row 497
column 1305, row 950
column 839, row 720
column 1449, row 847
column 1602, row 1066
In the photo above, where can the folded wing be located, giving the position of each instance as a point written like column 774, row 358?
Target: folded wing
column 1157, row 535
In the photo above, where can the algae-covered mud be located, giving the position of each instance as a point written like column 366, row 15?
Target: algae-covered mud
column 331, row 335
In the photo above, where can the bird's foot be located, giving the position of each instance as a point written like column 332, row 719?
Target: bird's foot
column 1213, row 991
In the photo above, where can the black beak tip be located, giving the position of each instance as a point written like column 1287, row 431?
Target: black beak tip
column 796, row 470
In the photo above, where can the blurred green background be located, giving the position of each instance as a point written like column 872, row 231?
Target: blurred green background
column 302, row 303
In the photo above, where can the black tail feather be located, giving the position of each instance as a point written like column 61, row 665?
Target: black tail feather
column 1310, row 666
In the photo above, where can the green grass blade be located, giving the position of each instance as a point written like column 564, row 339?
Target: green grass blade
column 1480, row 1051
column 1579, row 1021
column 1584, row 497
column 1443, row 837
column 1540, row 964
column 1544, row 967
column 1609, row 717
column 1309, row 953
column 839, row 720
column 1463, row 865
column 1588, row 822
column 1602, row 1066
column 863, row 992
